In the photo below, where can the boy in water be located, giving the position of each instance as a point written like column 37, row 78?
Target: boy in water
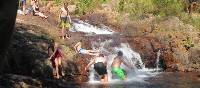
column 55, row 59
column 118, row 60
column 100, row 66
column 81, row 50
column 65, row 20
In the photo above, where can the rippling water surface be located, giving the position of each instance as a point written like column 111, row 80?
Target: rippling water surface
column 163, row 80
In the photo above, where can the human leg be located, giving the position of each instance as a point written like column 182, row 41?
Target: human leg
column 63, row 32
column 41, row 15
column 77, row 47
column 67, row 26
column 54, row 68
column 60, row 67
column 91, row 52
column 105, row 79
column 57, row 68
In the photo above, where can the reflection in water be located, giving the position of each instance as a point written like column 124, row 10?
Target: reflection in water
column 163, row 80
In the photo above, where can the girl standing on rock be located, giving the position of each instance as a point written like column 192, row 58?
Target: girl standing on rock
column 56, row 59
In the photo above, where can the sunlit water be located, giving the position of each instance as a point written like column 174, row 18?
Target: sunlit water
column 138, row 77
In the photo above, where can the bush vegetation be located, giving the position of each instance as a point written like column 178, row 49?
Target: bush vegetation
column 138, row 8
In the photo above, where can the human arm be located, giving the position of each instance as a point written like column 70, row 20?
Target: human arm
column 76, row 46
column 91, row 62
column 53, row 53
column 34, row 8
column 68, row 15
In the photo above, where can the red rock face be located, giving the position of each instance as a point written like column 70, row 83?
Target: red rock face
column 148, row 47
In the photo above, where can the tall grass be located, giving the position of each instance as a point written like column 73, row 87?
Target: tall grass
column 169, row 7
column 87, row 6
column 136, row 8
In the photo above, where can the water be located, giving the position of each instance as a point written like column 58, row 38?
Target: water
column 157, row 60
column 139, row 77
column 162, row 80
column 106, row 46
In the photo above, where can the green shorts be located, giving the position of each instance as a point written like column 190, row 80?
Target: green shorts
column 119, row 72
column 64, row 24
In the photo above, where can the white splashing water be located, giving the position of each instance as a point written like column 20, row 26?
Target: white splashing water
column 157, row 60
column 130, row 56
column 81, row 26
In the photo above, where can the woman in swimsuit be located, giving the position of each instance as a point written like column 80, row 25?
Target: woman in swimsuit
column 81, row 50
column 36, row 10
column 56, row 58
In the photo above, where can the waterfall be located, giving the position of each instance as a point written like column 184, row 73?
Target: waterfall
column 110, row 46
column 158, row 60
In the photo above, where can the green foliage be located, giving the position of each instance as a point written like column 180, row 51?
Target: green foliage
column 86, row 6
column 188, row 43
column 136, row 8
column 196, row 22
column 58, row 2
column 169, row 7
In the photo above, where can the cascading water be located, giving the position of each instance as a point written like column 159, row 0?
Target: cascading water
column 157, row 60
column 110, row 47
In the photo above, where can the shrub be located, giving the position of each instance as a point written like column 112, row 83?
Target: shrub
column 188, row 43
column 169, row 7
column 86, row 6
column 135, row 8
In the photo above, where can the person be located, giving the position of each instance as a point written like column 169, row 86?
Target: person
column 119, row 72
column 65, row 20
column 192, row 6
column 56, row 60
column 48, row 6
column 78, row 48
column 100, row 66
column 22, row 4
column 36, row 10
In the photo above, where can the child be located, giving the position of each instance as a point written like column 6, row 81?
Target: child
column 100, row 66
column 81, row 50
column 55, row 59
column 48, row 6
column 65, row 20
column 116, row 69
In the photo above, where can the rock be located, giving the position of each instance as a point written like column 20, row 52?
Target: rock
column 194, row 55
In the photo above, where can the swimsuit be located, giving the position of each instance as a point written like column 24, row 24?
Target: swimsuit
column 82, row 51
column 119, row 72
column 37, row 9
column 100, row 68
column 57, row 55
column 64, row 22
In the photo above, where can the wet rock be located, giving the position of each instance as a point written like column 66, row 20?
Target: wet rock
column 147, row 47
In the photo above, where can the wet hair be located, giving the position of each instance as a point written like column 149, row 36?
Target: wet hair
column 120, row 53
column 66, row 5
